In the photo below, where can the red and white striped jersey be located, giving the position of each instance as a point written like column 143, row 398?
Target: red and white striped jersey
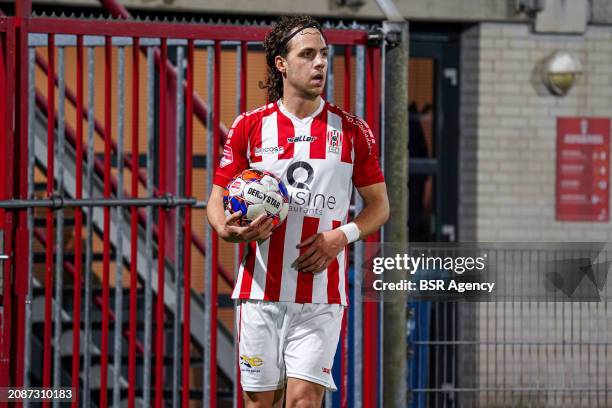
column 319, row 158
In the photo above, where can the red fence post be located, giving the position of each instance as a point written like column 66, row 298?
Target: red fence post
column 161, row 222
column 7, row 50
column 20, row 265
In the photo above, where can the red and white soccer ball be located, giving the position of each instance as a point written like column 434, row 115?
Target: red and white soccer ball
column 256, row 192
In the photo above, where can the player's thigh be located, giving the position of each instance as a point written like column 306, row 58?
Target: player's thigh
column 261, row 362
column 312, row 342
column 303, row 394
column 264, row 399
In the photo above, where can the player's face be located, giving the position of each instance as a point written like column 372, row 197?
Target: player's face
column 306, row 63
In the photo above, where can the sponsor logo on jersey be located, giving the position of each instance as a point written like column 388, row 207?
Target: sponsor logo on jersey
column 301, row 138
column 300, row 175
column 301, row 199
column 325, row 370
column 369, row 137
column 262, row 151
column 228, row 157
column 334, row 141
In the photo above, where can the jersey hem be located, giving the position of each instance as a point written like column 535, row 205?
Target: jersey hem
column 369, row 182
column 247, row 297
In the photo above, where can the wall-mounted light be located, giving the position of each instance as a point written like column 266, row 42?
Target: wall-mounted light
column 559, row 72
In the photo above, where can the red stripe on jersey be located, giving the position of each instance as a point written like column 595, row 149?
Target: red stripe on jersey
column 285, row 131
column 318, row 129
column 303, row 290
column 249, row 270
column 347, row 141
column 275, row 263
column 333, row 279
column 255, row 141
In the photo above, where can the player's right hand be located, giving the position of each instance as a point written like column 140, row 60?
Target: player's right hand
column 259, row 229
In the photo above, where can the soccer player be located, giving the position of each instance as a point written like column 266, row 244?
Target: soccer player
column 291, row 288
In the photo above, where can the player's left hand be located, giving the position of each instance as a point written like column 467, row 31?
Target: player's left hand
column 322, row 249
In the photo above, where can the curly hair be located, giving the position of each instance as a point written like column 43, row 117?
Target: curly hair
column 276, row 44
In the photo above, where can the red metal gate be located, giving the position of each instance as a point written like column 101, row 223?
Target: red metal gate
column 182, row 117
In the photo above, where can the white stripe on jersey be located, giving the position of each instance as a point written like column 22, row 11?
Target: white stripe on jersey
column 259, row 274
column 289, row 274
column 269, row 139
column 319, row 282
column 236, row 292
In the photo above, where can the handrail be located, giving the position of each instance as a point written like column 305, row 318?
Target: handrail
column 99, row 168
column 69, row 266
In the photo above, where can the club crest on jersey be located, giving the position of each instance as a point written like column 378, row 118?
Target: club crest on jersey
column 334, row 141
column 227, row 157
column 301, row 138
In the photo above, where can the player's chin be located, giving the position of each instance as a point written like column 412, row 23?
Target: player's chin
column 315, row 91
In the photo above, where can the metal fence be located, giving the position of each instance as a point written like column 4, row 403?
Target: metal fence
column 543, row 339
column 98, row 290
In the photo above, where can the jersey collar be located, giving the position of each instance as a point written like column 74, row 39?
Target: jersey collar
column 306, row 120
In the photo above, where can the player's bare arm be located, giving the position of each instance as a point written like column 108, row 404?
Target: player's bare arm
column 325, row 246
column 228, row 228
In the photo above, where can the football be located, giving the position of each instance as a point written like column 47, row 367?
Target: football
column 256, row 192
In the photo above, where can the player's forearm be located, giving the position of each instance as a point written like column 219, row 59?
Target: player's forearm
column 373, row 215
column 214, row 210
column 375, row 210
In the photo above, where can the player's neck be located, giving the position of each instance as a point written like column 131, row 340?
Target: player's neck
column 300, row 107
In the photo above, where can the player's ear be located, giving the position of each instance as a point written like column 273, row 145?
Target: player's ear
column 281, row 64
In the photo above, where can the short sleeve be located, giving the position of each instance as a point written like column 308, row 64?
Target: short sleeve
column 366, row 166
column 234, row 158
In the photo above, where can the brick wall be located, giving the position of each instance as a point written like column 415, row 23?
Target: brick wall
column 507, row 193
column 508, row 131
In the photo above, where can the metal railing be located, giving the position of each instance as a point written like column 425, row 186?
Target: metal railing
column 543, row 338
column 61, row 151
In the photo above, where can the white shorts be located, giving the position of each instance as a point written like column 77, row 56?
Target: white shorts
column 284, row 339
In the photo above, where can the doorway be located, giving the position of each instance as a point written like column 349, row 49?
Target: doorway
column 433, row 89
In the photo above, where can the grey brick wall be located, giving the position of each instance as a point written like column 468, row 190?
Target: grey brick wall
column 507, row 193
column 508, row 131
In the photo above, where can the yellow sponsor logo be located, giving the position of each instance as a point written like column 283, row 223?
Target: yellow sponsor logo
column 251, row 361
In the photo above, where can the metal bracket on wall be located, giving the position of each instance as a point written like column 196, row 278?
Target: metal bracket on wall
column 350, row 3
column 375, row 37
column 392, row 37
column 529, row 7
